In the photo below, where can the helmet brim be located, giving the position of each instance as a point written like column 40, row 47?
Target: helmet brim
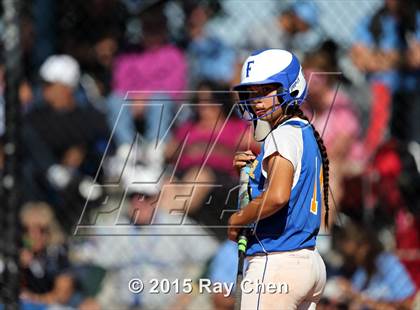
column 243, row 86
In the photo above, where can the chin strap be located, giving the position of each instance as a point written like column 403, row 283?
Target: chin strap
column 261, row 129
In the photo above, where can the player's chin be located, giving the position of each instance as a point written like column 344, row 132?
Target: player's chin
column 274, row 116
column 269, row 117
column 265, row 117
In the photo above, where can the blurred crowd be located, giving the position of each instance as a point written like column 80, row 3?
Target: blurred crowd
column 128, row 120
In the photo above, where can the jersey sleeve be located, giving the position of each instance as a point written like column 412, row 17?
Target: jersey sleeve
column 287, row 141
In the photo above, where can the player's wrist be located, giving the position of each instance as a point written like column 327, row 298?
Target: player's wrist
column 238, row 219
column 233, row 220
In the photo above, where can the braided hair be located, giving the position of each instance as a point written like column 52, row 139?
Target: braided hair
column 293, row 110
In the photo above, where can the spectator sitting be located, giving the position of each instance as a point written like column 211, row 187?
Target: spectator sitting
column 394, row 199
column 387, row 49
column 201, row 161
column 43, row 259
column 158, row 74
column 151, row 246
column 379, row 279
column 65, row 142
column 209, row 57
column 289, row 30
column 91, row 34
column 329, row 108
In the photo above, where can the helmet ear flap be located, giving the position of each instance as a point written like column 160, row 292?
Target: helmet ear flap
column 280, row 91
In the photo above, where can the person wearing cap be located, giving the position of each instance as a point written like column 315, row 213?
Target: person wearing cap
column 60, row 74
column 65, row 140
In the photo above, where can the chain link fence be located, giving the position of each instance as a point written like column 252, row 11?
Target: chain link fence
column 128, row 131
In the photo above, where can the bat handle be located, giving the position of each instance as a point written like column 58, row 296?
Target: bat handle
column 242, row 245
column 243, row 187
column 242, row 238
column 242, row 241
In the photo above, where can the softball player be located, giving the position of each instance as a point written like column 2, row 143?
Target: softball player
column 288, row 181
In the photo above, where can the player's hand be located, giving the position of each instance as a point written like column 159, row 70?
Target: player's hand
column 233, row 232
column 242, row 158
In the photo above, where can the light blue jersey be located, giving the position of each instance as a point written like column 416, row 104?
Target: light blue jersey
column 296, row 225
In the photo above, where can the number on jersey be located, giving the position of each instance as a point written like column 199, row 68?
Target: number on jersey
column 314, row 200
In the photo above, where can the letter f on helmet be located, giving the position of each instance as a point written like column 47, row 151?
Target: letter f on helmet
column 248, row 67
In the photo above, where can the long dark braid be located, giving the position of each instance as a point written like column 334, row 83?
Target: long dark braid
column 295, row 111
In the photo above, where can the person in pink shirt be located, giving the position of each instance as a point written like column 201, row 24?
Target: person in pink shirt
column 201, row 151
column 157, row 69
column 334, row 115
column 148, row 81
